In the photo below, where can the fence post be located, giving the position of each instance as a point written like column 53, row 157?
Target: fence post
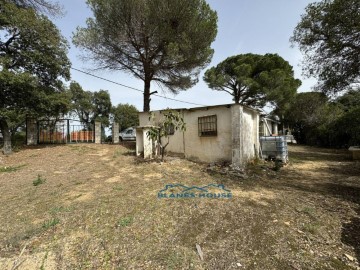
column 97, row 132
column 68, row 131
column 31, row 131
column 115, row 132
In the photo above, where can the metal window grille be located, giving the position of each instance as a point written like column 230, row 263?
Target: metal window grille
column 171, row 129
column 207, row 125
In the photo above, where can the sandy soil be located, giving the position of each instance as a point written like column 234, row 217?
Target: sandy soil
column 97, row 207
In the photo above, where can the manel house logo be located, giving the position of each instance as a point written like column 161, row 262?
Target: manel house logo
column 179, row 191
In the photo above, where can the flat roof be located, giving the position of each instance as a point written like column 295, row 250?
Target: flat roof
column 207, row 107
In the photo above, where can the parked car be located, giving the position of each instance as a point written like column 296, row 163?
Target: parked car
column 128, row 134
column 289, row 138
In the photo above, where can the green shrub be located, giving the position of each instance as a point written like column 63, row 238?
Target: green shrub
column 39, row 180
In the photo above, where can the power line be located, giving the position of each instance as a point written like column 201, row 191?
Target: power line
column 135, row 89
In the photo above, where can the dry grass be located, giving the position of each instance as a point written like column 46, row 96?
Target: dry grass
column 98, row 209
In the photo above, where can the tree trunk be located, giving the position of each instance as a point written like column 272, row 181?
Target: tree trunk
column 6, row 136
column 147, row 95
column 237, row 99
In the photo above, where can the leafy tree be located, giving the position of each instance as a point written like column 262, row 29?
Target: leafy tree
column 254, row 79
column 350, row 100
column 170, row 122
column 346, row 129
column 33, row 63
column 102, row 106
column 308, row 108
column 41, row 6
column 316, row 120
column 126, row 115
column 310, row 115
column 329, row 37
column 162, row 41
column 90, row 106
column 81, row 103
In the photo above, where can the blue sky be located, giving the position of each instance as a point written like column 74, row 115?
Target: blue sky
column 244, row 26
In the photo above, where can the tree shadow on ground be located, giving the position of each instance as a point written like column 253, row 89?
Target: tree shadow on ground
column 130, row 145
column 343, row 184
column 350, row 232
column 326, row 178
column 343, row 171
column 320, row 154
column 41, row 146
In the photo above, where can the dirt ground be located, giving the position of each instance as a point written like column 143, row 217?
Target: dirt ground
column 90, row 206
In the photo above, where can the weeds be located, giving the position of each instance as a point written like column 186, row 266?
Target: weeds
column 39, row 180
column 16, row 240
column 174, row 260
column 104, row 232
column 11, row 168
column 117, row 188
column 50, row 223
column 126, row 221
column 308, row 210
column 43, row 261
column 312, row 228
column 60, row 209
column 277, row 166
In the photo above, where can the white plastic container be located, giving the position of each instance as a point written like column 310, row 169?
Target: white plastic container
column 274, row 147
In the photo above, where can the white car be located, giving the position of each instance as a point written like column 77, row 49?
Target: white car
column 289, row 138
column 128, row 134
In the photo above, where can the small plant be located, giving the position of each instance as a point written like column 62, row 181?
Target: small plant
column 42, row 267
column 278, row 165
column 126, row 221
column 171, row 122
column 312, row 228
column 50, row 223
column 308, row 210
column 39, row 180
column 59, row 209
column 117, row 188
column 10, row 168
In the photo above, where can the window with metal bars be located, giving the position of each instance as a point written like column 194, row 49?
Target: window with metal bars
column 207, row 125
column 170, row 129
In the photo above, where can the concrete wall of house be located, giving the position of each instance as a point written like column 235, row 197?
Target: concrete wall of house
column 245, row 134
column 273, row 126
column 208, row 148
column 249, row 134
column 265, row 128
column 176, row 141
column 139, row 141
column 144, row 145
column 236, row 140
column 236, row 153
column 262, row 128
column 193, row 146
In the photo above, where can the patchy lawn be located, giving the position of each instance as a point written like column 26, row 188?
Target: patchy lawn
column 92, row 206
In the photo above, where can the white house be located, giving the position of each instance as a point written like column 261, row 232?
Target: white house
column 213, row 134
column 268, row 126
